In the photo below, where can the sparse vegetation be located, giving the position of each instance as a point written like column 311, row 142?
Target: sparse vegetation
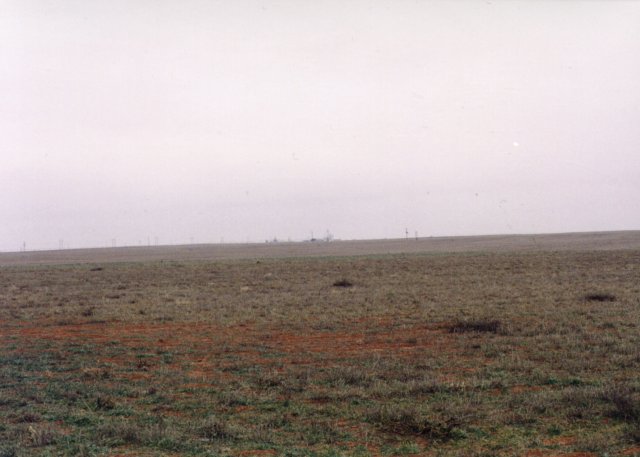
column 497, row 354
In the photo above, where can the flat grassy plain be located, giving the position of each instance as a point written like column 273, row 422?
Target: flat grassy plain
column 496, row 352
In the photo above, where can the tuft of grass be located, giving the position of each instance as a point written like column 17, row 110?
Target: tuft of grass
column 626, row 404
column 479, row 326
column 104, row 403
column 321, row 432
column 8, row 452
column 349, row 375
column 214, row 429
column 29, row 417
column 88, row 312
column 41, row 436
column 408, row 420
column 633, row 433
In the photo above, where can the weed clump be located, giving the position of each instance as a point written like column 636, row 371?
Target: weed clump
column 408, row 420
column 41, row 436
column 29, row 417
column 478, row 326
column 214, row 428
column 626, row 405
column 349, row 376
column 602, row 297
column 343, row 283
column 104, row 403
column 88, row 312
column 8, row 452
column 322, row 432
column 159, row 435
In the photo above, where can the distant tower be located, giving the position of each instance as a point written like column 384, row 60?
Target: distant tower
column 406, row 233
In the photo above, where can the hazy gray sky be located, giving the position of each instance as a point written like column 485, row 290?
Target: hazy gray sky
column 178, row 120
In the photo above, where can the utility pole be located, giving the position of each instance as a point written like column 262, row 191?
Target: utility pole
column 328, row 236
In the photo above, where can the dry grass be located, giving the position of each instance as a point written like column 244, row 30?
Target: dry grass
column 448, row 354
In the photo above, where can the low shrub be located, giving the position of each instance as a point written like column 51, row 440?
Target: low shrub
column 480, row 326
column 343, row 283
column 408, row 420
column 626, row 405
column 214, row 428
column 600, row 297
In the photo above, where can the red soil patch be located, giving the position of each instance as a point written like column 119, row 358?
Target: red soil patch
column 241, row 408
column 125, row 453
column 631, row 451
column 136, row 376
column 373, row 451
column 405, row 342
column 210, row 339
column 576, row 454
column 522, row 388
column 256, row 452
column 560, row 441
column 550, row 453
column 210, row 354
column 165, row 334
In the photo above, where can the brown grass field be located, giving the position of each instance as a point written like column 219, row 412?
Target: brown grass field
column 475, row 346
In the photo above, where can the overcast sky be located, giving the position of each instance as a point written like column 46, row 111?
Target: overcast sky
column 178, row 121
